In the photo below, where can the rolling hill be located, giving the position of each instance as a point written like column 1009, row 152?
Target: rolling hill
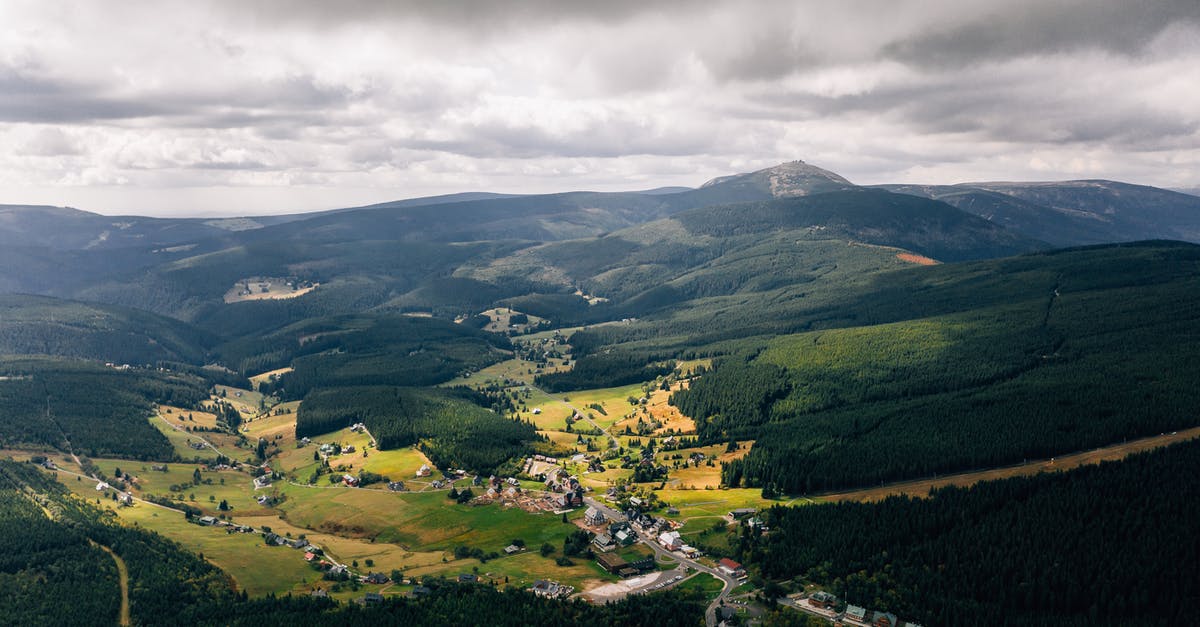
column 39, row 325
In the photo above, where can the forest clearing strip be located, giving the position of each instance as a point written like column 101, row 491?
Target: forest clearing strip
column 920, row 487
column 123, row 577
column 122, row 570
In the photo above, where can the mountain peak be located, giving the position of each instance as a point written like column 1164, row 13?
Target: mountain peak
column 793, row 178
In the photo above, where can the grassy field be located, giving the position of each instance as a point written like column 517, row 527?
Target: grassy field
column 702, row 582
column 659, row 410
column 397, row 464
column 179, row 440
column 267, row 376
column 502, row 320
column 248, row 402
column 711, row 504
column 523, row 569
column 420, row 521
column 188, row 417
column 702, row 476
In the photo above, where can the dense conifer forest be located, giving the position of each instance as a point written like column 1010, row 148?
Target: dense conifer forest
column 1113, row 544
column 98, row 410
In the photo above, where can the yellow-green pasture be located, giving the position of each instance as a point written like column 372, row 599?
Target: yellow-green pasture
column 702, row 476
column 522, row 569
column 502, row 320
column 234, row 487
column 248, row 402
column 705, row 506
column 267, row 376
column 422, row 521
column 180, row 439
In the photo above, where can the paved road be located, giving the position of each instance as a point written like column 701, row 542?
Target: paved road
column 710, row 613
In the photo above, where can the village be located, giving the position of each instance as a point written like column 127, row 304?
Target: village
column 607, row 515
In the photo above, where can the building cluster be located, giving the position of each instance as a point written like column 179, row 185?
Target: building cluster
column 497, row 488
column 854, row 614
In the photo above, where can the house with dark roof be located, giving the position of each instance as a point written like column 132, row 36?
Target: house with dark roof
column 376, row 578
column 468, row 578
column 372, row 598
column 822, row 599
column 644, row 565
column 611, row 562
column 544, row 588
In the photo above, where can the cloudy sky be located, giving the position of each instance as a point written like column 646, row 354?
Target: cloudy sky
column 224, row 107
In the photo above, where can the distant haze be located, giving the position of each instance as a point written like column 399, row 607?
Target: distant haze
column 230, row 107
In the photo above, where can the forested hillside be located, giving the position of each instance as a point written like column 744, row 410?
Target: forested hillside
column 88, row 408
column 1113, row 544
column 37, row 325
column 364, row 350
column 1066, row 367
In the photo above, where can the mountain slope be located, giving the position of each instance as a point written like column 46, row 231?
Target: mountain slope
column 966, row 366
column 38, row 325
column 724, row 249
column 1072, row 213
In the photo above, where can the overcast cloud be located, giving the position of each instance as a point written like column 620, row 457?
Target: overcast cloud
column 173, row 108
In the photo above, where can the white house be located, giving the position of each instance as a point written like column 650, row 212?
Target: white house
column 670, row 540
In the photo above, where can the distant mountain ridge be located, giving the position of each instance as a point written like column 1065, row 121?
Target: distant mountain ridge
column 461, row 253
column 1072, row 213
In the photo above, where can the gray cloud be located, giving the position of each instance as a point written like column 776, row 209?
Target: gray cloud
column 363, row 98
column 1009, row 29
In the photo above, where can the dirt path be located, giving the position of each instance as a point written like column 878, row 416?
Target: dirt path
column 921, row 487
column 123, row 574
column 122, row 570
